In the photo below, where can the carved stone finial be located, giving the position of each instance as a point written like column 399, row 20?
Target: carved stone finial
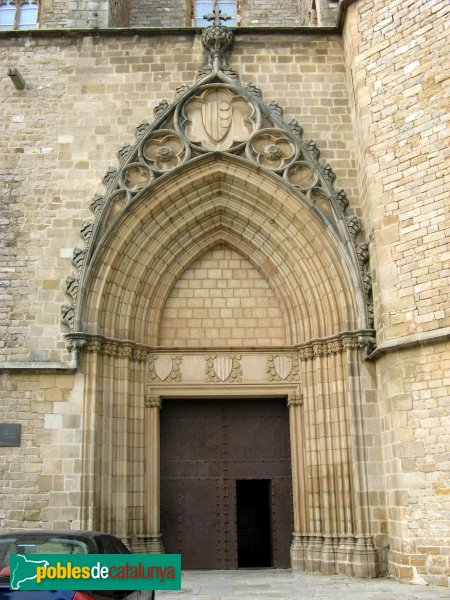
column 217, row 38
column 217, row 15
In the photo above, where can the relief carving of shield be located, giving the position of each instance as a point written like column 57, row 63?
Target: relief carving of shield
column 222, row 367
column 163, row 367
column 217, row 114
column 283, row 366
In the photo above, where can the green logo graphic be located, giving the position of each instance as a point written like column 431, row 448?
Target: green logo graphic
column 95, row 572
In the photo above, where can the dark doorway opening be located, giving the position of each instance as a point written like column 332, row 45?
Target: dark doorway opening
column 253, row 516
column 206, row 447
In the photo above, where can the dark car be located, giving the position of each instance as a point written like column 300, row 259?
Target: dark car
column 61, row 542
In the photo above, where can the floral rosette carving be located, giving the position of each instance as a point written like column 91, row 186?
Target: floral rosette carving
column 135, row 177
column 302, row 175
column 272, row 149
column 165, row 150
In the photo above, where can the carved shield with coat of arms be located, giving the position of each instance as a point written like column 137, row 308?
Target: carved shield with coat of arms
column 163, row 367
column 218, row 118
column 222, row 367
column 283, row 366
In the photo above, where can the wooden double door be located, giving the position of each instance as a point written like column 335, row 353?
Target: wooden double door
column 226, row 492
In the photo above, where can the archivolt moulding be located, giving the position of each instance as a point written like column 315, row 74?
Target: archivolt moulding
column 218, row 114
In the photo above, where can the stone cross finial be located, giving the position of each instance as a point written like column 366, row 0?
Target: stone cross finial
column 216, row 38
column 217, row 15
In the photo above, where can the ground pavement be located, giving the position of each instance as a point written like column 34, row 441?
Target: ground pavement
column 278, row 584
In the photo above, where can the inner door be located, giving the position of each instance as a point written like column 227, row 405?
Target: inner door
column 254, row 522
column 209, row 449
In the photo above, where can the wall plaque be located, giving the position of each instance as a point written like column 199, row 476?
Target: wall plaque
column 10, row 434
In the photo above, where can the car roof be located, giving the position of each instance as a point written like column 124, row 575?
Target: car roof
column 50, row 532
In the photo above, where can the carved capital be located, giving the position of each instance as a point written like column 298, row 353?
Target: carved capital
column 350, row 343
column 334, row 346
column 110, row 349
column 75, row 342
column 139, row 354
column 94, row 345
column 305, row 353
column 295, row 400
column 153, row 401
column 125, row 351
column 320, row 349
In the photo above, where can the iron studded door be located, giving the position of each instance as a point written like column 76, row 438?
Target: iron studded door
column 206, row 447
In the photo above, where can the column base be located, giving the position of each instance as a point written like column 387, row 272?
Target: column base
column 365, row 559
column 344, row 554
column 145, row 543
column 298, row 551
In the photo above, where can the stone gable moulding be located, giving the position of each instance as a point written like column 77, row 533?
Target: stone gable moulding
column 218, row 119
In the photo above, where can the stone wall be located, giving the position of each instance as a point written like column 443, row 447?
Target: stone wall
column 41, row 479
column 85, row 95
column 83, row 14
column 178, row 13
column 395, row 53
column 53, row 14
column 262, row 12
column 222, row 300
column 87, row 13
column 153, row 13
column 119, row 13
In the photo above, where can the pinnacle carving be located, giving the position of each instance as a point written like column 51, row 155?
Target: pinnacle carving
column 143, row 128
column 161, row 108
column 72, row 285
column 217, row 38
column 97, row 204
column 68, row 315
column 86, row 231
column 78, row 257
column 109, row 176
column 124, row 153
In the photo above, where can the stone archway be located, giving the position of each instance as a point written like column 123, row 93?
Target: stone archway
column 255, row 187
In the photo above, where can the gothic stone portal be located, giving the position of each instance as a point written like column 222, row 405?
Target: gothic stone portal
column 226, row 493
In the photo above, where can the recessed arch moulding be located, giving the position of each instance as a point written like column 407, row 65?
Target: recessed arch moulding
column 219, row 167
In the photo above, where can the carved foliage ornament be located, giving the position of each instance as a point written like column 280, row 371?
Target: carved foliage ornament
column 272, row 149
column 164, row 150
column 221, row 368
column 164, row 368
column 283, row 367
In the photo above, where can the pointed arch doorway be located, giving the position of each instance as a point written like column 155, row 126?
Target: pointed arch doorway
column 226, row 492
column 136, row 274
